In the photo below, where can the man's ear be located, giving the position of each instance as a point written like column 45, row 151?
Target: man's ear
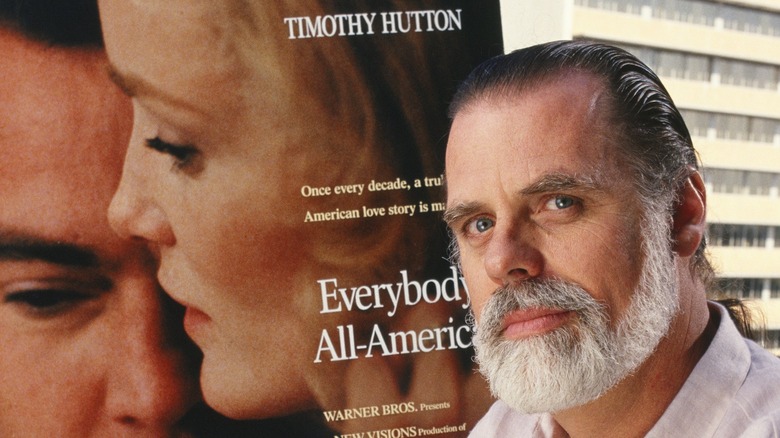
column 689, row 216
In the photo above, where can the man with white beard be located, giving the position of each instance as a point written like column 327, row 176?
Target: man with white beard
column 578, row 212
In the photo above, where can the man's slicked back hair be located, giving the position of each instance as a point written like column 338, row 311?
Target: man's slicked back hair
column 645, row 125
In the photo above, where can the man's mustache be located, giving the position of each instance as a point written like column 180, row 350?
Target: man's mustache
column 548, row 293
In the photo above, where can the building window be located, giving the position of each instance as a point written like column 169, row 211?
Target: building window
column 671, row 63
column 774, row 288
column 698, row 122
column 746, row 74
column 763, row 130
column 747, row 236
column 696, row 12
column 724, row 180
column 695, row 67
column 742, row 182
column 759, row 183
column 731, row 127
column 749, row 20
column 693, row 12
column 742, row 288
column 772, row 340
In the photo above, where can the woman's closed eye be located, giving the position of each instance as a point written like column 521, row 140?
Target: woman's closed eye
column 185, row 157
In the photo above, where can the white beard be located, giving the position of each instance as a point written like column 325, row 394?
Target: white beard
column 578, row 362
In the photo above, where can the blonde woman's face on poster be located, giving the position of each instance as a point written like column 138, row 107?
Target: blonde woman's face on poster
column 213, row 176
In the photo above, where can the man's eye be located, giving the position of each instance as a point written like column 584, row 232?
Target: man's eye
column 184, row 156
column 480, row 225
column 560, row 202
column 47, row 302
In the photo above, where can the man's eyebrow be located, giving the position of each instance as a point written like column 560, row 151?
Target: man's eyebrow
column 24, row 247
column 456, row 212
column 561, row 182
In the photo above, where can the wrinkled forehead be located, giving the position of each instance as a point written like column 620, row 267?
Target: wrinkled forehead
column 558, row 127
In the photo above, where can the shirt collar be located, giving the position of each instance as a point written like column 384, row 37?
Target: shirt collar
column 703, row 400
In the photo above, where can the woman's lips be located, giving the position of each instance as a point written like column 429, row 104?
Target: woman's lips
column 522, row 324
column 195, row 322
column 194, row 319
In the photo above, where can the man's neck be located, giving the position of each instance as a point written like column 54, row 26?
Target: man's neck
column 633, row 406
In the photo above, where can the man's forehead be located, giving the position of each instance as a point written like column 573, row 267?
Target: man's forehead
column 69, row 116
column 575, row 91
column 63, row 133
column 551, row 111
column 556, row 128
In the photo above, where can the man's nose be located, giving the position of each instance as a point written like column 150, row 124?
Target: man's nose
column 512, row 257
column 153, row 377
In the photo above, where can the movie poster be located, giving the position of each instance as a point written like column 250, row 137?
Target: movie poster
column 386, row 347
column 385, row 311
column 378, row 326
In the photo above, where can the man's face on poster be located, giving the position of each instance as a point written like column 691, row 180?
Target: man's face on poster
column 87, row 345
